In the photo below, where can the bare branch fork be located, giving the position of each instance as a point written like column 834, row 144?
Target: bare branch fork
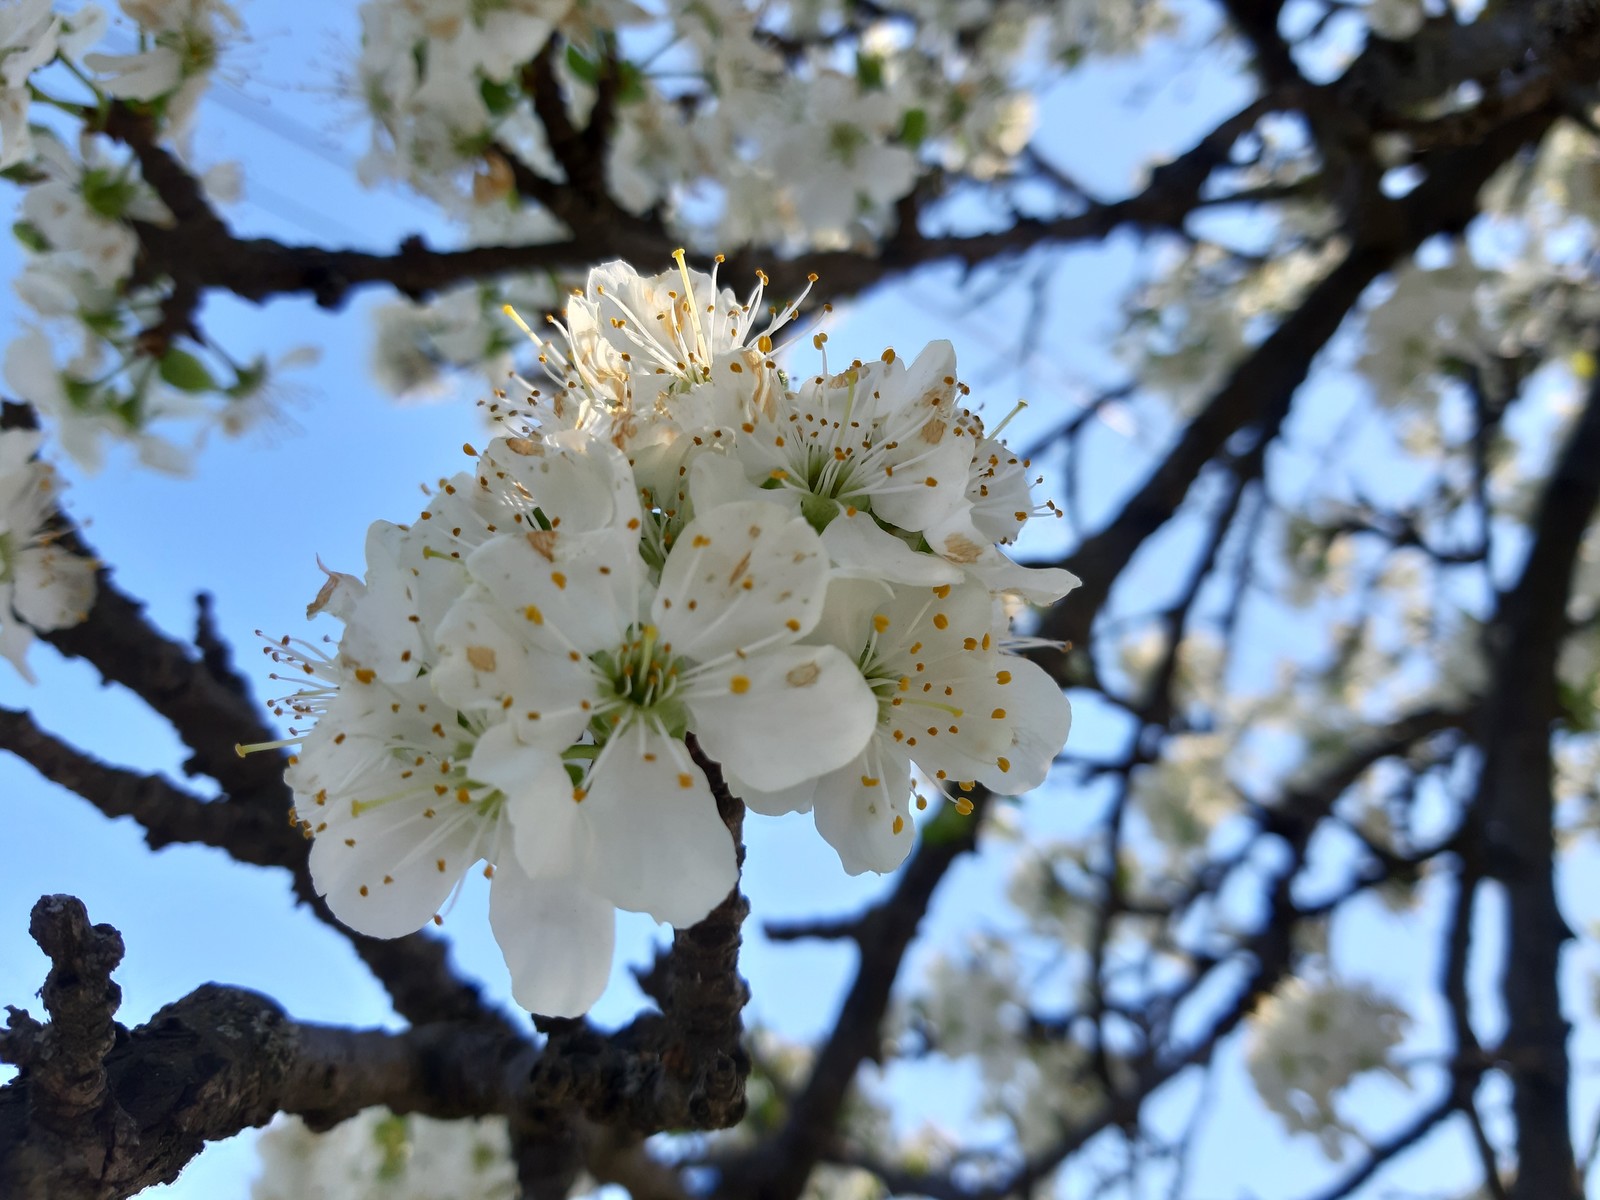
column 100, row 1112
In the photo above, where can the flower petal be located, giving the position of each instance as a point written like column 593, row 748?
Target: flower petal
column 741, row 574
column 798, row 798
column 577, row 482
column 863, row 810
column 577, row 591
column 1011, row 721
column 1037, row 585
column 557, row 938
column 391, row 627
column 548, row 832
column 387, row 871
column 54, row 589
column 659, row 845
column 861, row 548
column 784, row 715
column 487, row 665
column 15, row 636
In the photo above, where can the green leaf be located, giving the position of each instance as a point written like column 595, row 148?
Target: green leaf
column 80, row 393
column 249, row 380
column 630, row 83
column 130, row 410
column 23, row 173
column 186, row 372
column 947, row 827
column 584, row 68
column 28, row 234
column 1577, row 705
column 869, row 72
column 393, row 1136
column 498, row 98
column 107, row 193
column 914, row 127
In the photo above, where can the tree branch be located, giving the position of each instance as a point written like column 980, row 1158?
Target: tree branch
column 779, row 1169
column 1517, row 807
column 1259, row 391
column 99, row 1113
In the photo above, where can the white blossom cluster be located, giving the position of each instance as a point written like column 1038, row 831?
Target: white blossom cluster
column 84, row 357
column 42, row 585
column 81, row 360
column 675, row 548
column 820, row 117
column 378, row 1155
column 795, row 126
column 31, row 35
column 1309, row 1040
column 179, row 44
column 977, row 1006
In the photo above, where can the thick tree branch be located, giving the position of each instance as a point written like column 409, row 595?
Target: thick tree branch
column 1259, row 391
column 1517, row 808
column 213, row 715
column 779, row 1169
column 199, row 252
column 1388, row 1149
column 100, row 1113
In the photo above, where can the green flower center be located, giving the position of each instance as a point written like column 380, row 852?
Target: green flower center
column 645, row 676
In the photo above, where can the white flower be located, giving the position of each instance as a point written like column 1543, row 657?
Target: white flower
column 30, row 368
column 1187, row 793
column 512, row 688
column 378, row 1155
column 827, row 159
column 188, row 38
column 948, row 699
column 885, row 463
column 712, row 650
column 646, row 360
column 257, row 396
column 881, row 437
column 420, row 793
column 1430, row 318
column 42, row 586
column 403, row 794
column 424, row 64
column 651, row 151
column 565, row 482
column 1309, row 1040
column 80, row 207
column 1396, row 20
column 27, row 41
column 634, row 583
column 31, row 35
column 460, row 328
